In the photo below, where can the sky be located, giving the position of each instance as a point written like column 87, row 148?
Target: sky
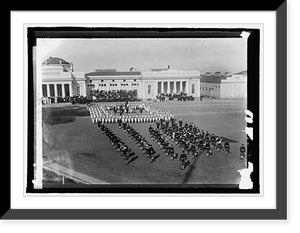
column 207, row 55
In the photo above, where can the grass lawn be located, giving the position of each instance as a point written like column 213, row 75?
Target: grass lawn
column 70, row 138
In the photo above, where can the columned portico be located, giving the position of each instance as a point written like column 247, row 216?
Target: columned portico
column 189, row 86
column 57, row 90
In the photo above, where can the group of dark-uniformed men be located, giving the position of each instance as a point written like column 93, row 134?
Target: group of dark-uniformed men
column 188, row 136
column 118, row 144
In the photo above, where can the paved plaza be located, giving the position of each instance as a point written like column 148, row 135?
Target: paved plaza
column 71, row 140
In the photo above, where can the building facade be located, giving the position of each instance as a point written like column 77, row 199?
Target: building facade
column 159, row 81
column 235, row 86
column 224, row 86
column 148, row 84
column 60, row 80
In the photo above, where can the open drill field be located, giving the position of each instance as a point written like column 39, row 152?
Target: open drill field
column 71, row 140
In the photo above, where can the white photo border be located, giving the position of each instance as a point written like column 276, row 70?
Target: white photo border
column 149, row 19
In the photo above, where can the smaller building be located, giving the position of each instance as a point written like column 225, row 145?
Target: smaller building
column 235, row 86
column 222, row 85
column 210, row 85
column 113, row 80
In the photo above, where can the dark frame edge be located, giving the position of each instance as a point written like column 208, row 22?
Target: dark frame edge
column 281, row 111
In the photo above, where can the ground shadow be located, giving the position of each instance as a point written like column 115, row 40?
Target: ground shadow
column 228, row 139
column 190, row 171
column 63, row 114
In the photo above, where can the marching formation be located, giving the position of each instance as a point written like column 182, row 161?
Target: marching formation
column 188, row 137
column 128, row 112
column 118, row 144
column 177, row 140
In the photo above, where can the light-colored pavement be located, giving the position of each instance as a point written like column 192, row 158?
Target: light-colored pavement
column 64, row 171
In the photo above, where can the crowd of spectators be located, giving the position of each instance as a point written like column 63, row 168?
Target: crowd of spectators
column 52, row 100
column 113, row 96
column 171, row 96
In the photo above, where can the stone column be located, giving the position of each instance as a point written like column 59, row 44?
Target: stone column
column 63, row 90
column 155, row 89
column 55, row 90
column 198, row 88
column 70, row 90
column 180, row 86
column 48, row 90
column 187, row 87
column 168, row 87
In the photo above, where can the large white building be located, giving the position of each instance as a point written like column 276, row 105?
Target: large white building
column 60, row 80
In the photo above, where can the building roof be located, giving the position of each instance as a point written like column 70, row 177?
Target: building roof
column 55, row 61
column 112, row 73
column 158, row 69
column 212, row 78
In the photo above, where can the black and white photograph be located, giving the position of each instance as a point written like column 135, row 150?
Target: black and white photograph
column 143, row 112
column 148, row 115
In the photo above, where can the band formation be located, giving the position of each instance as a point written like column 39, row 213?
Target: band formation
column 176, row 139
